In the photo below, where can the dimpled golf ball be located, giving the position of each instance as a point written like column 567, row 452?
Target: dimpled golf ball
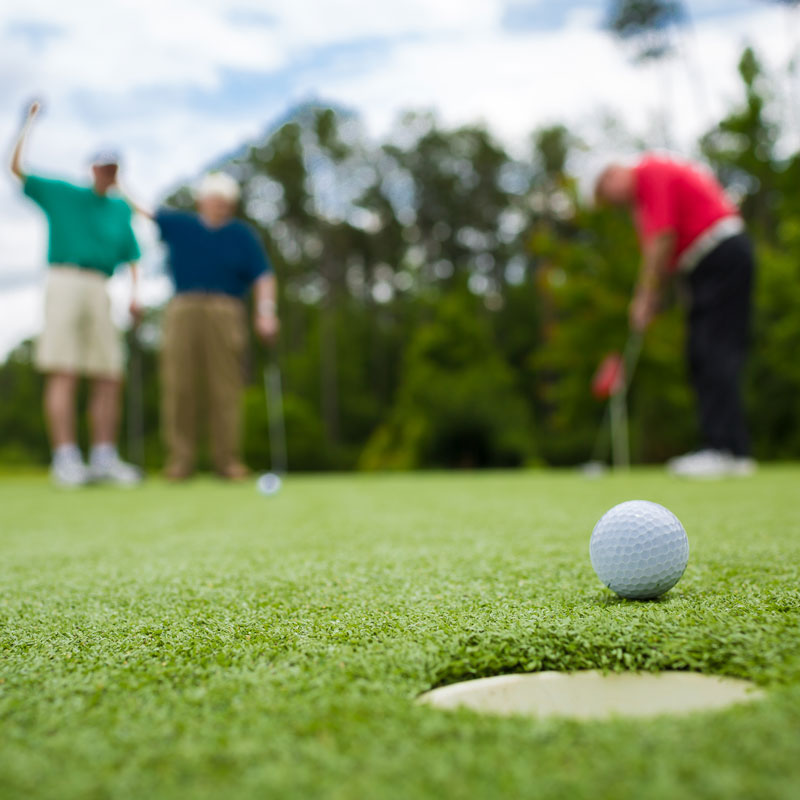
column 639, row 549
column 269, row 483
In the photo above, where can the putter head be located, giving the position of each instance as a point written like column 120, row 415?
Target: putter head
column 269, row 483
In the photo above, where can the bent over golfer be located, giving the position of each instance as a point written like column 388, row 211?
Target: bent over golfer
column 89, row 236
column 214, row 260
column 689, row 227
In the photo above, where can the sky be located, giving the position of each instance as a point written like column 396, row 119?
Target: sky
column 175, row 83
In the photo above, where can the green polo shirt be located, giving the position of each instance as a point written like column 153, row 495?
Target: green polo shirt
column 86, row 229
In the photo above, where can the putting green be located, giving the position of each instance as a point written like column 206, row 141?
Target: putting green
column 201, row 641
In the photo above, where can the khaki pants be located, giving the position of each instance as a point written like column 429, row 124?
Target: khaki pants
column 201, row 365
column 79, row 337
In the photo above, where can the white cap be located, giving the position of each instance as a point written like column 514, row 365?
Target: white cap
column 105, row 158
column 220, row 185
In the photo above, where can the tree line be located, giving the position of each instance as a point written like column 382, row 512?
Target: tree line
column 445, row 302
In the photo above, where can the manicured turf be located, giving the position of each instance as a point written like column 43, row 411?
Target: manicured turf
column 202, row 641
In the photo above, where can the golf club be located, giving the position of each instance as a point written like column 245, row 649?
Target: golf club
column 270, row 482
column 611, row 382
column 135, row 426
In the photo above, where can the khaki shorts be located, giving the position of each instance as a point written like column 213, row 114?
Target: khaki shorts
column 79, row 336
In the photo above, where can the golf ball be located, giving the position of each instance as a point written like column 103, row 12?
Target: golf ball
column 268, row 483
column 639, row 549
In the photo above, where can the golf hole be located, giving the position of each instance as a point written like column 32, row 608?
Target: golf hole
column 593, row 695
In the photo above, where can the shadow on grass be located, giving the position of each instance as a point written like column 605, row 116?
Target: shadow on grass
column 609, row 598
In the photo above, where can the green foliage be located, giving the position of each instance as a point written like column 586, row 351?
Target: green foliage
column 142, row 388
column 457, row 405
column 584, row 290
column 197, row 641
column 24, row 438
column 369, row 238
column 305, row 436
column 551, row 149
column 741, row 148
column 774, row 378
column 648, row 22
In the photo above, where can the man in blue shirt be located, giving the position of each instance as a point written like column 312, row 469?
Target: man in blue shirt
column 214, row 260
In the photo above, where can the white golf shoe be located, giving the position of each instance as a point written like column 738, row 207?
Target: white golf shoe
column 710, row 464
column 110, row 468
column 69, row 472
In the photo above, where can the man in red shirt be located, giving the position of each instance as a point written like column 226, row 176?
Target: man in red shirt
column 688, row 227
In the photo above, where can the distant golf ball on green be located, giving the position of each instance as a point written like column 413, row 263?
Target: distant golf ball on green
column 269, row 483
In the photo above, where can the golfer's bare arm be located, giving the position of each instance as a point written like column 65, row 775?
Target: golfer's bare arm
column 137, row 209
column 16, row 155
column 656, row 256
column 265, row 293
column 265, row 306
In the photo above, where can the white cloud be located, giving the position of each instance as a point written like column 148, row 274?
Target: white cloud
column 516, row 82
column 126, row 44
column 121, row 45
column 130, row 72
column 307, row 24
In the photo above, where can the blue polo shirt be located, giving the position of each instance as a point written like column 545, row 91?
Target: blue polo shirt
column 224, row 260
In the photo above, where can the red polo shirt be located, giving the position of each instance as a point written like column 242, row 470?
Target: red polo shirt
column 679, row 198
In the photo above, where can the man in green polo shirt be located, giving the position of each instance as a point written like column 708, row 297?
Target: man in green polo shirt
column 89, row 236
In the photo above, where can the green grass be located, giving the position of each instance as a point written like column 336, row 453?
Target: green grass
column 202, row 641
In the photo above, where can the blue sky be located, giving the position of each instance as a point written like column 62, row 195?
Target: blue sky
column 533, row 15
column 174, row 83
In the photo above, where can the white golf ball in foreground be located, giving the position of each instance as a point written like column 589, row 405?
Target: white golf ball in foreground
column 639, row 549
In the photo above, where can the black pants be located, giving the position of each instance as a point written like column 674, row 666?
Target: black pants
column 721, row 289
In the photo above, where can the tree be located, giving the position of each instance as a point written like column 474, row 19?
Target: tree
column 458, row 404
column 649, row 24
column 299, row 190
column 23, row 439
column 773, row 384
column 741, row 149
column 587, row 277
column 439, row 297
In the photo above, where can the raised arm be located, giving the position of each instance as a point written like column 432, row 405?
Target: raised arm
column 16, row 155
column 145, row 212
column 135, row 207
